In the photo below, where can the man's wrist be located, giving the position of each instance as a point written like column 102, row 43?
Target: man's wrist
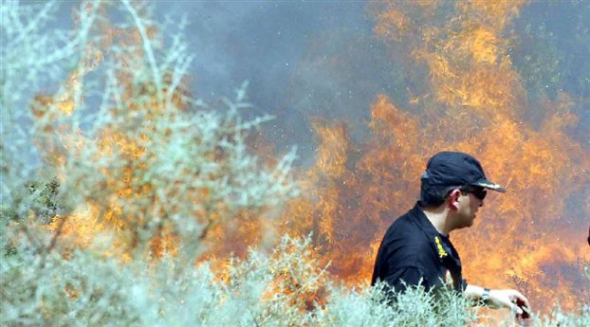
column 485, row 296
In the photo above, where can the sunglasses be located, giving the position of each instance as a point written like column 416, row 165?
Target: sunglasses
column 477, row 191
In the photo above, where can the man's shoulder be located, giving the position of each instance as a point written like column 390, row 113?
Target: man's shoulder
column 402, row 225
column 406, row 232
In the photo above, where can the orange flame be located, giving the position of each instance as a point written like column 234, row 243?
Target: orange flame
column 477, row 104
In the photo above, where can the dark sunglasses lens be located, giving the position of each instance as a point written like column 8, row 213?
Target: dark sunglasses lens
column 480, row 193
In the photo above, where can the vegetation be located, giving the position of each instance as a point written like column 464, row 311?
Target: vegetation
column 109, row 219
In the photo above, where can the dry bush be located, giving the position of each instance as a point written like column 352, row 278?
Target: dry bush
column 144, row 173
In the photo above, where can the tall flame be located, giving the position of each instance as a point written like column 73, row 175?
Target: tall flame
column 476, row 102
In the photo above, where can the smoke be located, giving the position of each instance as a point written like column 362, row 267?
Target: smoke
column 310, row 60
column 322, row 59
column 302, row 60
column 550, row 52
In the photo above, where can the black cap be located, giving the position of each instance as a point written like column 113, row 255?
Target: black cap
column 456, row 169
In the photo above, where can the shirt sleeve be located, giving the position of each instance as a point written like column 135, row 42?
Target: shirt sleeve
column 412, row 276
column 464, row 284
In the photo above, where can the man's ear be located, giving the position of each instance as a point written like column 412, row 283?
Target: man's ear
column 453, row 199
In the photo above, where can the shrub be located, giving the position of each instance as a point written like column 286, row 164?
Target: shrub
column 145, row 173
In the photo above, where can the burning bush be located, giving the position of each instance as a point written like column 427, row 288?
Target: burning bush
column 123, row 195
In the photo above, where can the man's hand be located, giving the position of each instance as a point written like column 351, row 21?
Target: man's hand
column 511, row 299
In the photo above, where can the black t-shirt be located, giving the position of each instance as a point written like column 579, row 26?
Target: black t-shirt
column 413, row 251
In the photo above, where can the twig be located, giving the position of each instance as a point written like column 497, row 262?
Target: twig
column 53, row 242
column 147, row 46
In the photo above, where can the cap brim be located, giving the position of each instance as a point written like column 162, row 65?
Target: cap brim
column 491, row 186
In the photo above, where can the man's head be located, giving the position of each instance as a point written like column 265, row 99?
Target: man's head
column 458, row 179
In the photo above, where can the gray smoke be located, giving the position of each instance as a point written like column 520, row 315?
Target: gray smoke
column 321, row 59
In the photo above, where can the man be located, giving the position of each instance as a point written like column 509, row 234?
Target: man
column 417, row 250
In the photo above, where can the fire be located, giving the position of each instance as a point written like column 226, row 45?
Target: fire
column 522, row 239
column 103, row 220
column 121, row 153
column 527, row 239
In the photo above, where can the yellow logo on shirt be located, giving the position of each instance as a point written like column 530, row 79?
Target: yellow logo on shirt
column 441, row 251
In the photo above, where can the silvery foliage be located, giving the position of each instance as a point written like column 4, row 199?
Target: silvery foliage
column 134, row 128
column 369, row 307
column 557, row 317
column 191, row 168
column 28, row 65
column 40, row 285
column 86, row 290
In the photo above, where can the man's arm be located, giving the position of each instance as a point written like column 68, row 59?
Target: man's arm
column 511, row 299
